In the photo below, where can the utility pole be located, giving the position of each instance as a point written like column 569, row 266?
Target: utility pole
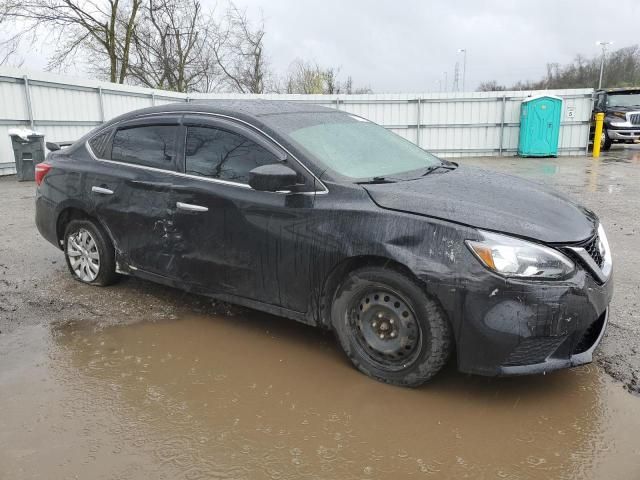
column 464, row 64
column 604, row 46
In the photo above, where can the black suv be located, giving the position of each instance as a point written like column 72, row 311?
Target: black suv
column 621, row 107
column 329, row 219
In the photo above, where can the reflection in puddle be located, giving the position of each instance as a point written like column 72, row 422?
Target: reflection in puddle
column 259, row 397
column 574, row 176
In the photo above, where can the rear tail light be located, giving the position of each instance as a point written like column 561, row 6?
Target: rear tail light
column 41, row 170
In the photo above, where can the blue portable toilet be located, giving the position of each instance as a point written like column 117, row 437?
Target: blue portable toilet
column 540, row 126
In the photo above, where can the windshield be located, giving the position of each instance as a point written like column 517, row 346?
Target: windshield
column 356, row 148
column 624, row 100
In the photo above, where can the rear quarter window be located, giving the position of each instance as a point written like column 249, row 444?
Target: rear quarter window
column 99, row 143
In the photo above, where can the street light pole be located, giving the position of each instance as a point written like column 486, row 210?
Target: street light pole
column 464, row 64
column 604, row 46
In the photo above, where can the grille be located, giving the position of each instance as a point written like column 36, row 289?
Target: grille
column 634, row 118
column 593, row 250
column 533, row 350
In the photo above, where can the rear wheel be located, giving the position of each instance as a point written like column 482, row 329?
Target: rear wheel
column 89, row 253
column 389, row 328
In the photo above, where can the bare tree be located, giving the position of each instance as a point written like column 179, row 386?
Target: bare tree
column 9, row 53
column 331, row 80
column 305, row 77
column 8, row 43
column 490, row 86
column 78, row 26
column 172, row 47
column 309, row 78
column 179, row 46
column 238, row 48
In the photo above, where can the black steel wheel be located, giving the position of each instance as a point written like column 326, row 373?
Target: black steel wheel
column 385, row 327
column 389, row 328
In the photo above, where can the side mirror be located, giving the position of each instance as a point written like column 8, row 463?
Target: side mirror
column 52, row 147
column 272, row 178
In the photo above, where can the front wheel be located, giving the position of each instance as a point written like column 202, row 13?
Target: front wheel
column 89, row 253
column 605, row 141
column 389, row 328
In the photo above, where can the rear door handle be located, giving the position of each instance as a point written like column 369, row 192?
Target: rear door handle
column 191, row 208
column 101, row 190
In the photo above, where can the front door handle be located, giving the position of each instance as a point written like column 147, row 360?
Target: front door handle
column 191, row 208
column 101, row 190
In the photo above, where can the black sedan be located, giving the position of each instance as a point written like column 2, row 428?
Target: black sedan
column 329, row 219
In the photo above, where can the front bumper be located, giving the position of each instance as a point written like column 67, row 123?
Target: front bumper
column 567, row 354
column 515, row 327
column 624, row 135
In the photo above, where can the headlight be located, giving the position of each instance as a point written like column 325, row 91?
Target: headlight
column 513, row 257
column 605, row 251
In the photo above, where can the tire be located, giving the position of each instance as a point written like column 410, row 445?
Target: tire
column 605, row 142
column 373, row 304
column 89, row 253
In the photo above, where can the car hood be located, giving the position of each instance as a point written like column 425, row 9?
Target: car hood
column 491, row 201
column 633, row 108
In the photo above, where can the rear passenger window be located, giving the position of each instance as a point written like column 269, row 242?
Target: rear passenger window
column 215, row 153
column 151, row 146
column 99, row 143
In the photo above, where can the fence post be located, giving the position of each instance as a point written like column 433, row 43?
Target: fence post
column 27, row 93
column 418, row 120
column 101, row 104
column 153, row 99
column 337, row 103
column 504, row 105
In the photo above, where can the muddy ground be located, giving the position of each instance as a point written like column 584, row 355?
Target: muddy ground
column 143, row 381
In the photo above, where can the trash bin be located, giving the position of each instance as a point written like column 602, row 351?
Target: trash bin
column 28, row 150
column 540, row 126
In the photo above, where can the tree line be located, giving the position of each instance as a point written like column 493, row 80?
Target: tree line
column 622, row 69
column 166, row 44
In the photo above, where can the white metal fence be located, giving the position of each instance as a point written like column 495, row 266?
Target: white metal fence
column 448, row 124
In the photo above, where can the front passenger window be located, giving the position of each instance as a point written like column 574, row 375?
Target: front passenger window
column 215, row 153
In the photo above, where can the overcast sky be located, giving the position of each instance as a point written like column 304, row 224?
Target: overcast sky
column 398, row 46
column 406, row 46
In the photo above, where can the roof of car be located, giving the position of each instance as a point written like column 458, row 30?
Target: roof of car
column 246, row 108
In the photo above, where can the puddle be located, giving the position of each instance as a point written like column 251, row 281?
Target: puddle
column 260, row 397
column 610, row 174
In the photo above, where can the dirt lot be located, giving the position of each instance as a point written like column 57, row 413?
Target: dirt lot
column 142, row 381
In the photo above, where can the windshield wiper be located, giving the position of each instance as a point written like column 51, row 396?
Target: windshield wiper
column 375, row 180
column 433, row 168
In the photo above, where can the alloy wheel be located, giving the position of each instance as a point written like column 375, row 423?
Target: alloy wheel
column 83, row 254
